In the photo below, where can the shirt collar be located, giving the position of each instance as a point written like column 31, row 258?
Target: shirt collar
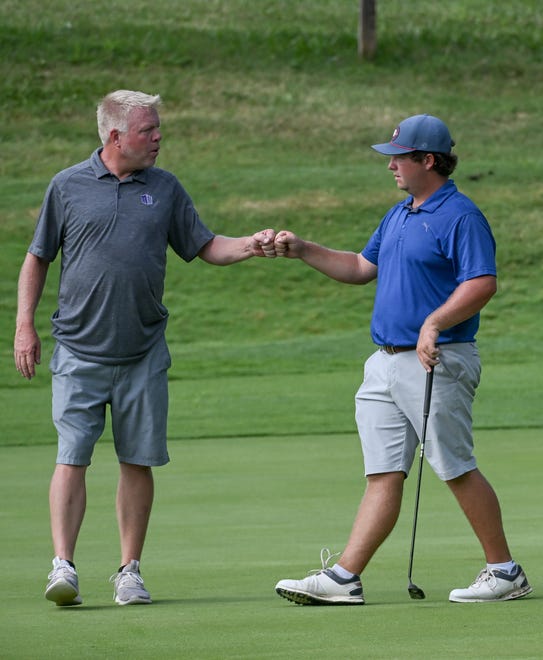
column 435, row 200
column 100, row 170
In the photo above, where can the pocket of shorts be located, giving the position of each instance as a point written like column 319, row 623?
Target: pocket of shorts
column 161, row 358
column 55, row 359
column 61, row 360
column 457, row 366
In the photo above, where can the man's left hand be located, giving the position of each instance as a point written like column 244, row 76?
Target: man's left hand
column 263, row 244
column 427, row 348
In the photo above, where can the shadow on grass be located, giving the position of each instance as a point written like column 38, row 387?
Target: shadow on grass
column 222, row 600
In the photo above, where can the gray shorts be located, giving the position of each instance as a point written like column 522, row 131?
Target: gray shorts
column 389, row 411
column 137, row 394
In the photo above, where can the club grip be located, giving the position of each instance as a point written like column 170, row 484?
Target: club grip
column 428, row 391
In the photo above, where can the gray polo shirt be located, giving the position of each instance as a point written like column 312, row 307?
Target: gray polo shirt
column 113, row 236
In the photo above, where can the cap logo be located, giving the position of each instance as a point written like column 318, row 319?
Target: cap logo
column 395, row 134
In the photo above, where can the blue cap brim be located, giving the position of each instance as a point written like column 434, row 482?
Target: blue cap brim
column 389, row 149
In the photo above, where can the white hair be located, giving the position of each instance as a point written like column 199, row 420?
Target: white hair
column 113, row 110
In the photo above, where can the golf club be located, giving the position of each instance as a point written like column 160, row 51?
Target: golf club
column 416, row 592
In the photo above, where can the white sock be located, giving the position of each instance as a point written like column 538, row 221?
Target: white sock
column 507, row 567
column 342, row 572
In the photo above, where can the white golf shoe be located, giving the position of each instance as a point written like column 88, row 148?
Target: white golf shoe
column 322, row 587
column 63, row 585
column 493, row 585
column 129, row 589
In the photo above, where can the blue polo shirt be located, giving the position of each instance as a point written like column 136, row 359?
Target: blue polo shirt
column 422, row 256
column 113, row 236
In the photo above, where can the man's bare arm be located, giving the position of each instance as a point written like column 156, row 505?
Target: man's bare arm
column 27, row 345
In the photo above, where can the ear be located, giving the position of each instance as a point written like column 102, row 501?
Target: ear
column 114, row 137
column 429, row 161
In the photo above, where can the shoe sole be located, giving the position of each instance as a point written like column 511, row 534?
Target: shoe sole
column 63, row 594
column 513, row 595
column 134, row 601
column 303, row 598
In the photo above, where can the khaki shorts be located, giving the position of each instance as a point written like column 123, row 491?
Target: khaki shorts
column 137, row 394
column 389, row 411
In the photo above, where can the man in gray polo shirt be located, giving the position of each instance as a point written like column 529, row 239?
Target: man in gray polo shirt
column 112, row 217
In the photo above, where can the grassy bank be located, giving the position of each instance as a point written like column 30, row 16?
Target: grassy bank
column 268, row 118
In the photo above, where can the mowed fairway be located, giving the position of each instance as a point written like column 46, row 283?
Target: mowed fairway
column 234, row 515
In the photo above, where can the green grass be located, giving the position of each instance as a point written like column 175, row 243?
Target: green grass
column 277, row 404
column 267, row 120
column 233, row 516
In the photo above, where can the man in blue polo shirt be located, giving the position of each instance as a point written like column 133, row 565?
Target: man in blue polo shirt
column 433, row 256
column 112, row 217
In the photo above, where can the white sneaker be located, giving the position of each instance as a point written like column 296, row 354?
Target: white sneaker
column 322, row 587
column 493, row 585
column 63, row 586
column 129, row 589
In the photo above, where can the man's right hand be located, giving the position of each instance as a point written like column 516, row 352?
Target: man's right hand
column 288, row 245
column 27, row 351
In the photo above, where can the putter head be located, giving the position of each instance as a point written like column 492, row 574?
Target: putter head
column 415, row 592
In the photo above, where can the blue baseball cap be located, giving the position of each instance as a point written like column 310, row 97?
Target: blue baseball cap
column 418, row 133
